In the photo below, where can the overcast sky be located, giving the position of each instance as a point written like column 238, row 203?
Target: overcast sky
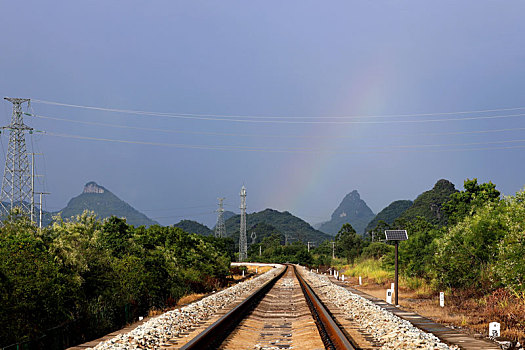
column 300, row 101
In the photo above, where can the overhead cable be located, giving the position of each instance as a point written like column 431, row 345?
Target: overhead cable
column 282, row 119
column 387, row 149
column 165, row 130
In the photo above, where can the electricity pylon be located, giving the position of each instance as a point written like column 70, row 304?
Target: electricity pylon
column 220, row 227
column 243, row 244
column 17, row 187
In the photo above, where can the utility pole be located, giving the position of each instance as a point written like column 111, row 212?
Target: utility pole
column 309, row 246
column 333, row 250
column 220, row 227
column 16, row 183
column 40, row 206
column 33, row 175
column 243, row 244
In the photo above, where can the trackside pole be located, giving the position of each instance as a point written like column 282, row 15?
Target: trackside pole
column 396, row 278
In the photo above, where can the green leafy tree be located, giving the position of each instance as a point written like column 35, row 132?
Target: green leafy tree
column 348, row 243
column 417, row 253
column 466, row 202
column 465, row 253
column 510, row 266
column 377, row 250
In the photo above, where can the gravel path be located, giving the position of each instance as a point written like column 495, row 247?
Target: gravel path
column 386, row 328
column 159, row 330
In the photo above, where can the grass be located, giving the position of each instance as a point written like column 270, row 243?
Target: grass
column 190, row 298
column 370, row 269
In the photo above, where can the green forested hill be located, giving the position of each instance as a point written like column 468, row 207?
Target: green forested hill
column 390, row 213
column 105, row 204
column 276, row 222
column 194, row 227
column 428, row 204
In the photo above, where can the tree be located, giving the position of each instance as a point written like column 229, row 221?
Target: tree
column 467, row 250
column 348, row 243
column 416, row 254
column 510, row 266
column 378, row 233
column 466, row 202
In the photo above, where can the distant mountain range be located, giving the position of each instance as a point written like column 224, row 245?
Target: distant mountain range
column 352, row 210
column 105, row 204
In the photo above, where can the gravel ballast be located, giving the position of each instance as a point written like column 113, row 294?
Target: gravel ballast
column 386, row 328
column 177, row 323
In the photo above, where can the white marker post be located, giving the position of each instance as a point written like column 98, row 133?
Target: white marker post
column 343, row 276
column 360, row 281
column 242, row 273
column 494, row 329
column 317, row 270
column 389, row 296
column 256, row 270
column 442, row 299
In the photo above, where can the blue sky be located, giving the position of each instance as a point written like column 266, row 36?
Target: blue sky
column 303, row 97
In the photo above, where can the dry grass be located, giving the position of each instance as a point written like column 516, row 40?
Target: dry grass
column 190, row 298
column 260, row 269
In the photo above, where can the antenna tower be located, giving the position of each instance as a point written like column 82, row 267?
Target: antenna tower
column 220, row 227
column 243, row 244
column 17, row 183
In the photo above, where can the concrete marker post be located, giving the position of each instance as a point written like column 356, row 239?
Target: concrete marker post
column 389, row 296
column 494, row 329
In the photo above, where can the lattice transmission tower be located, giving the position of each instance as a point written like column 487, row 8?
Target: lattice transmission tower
column 243, row 244
column 17, row 186
column 220, row 227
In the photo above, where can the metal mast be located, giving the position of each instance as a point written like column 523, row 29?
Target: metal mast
column 243, row 244
column 17, row 181
column 220, row 227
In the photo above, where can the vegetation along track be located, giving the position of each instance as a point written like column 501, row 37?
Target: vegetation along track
column 285, row 313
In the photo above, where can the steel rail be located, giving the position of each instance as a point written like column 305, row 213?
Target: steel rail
column 216, row 333
column 332, row 335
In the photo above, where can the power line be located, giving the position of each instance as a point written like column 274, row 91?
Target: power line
column 255, row 119
column 386, row 149
column 130, row 111
column 183, row 216
column 182, row 208
column 259, row 135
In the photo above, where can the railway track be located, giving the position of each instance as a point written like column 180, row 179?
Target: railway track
column 285, row 313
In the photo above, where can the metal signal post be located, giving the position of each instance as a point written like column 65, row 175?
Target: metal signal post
column 243, row 244
column 396, row 236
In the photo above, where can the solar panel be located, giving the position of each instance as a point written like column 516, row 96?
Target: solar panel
column 396, row 235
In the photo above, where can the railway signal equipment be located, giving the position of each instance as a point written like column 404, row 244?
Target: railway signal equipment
column 396, row 236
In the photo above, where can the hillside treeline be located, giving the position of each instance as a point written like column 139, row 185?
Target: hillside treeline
column 83, row 278
column 479, row 244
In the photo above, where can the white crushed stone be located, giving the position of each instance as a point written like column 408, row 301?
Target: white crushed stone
column 391, row 331
column 159, row 330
